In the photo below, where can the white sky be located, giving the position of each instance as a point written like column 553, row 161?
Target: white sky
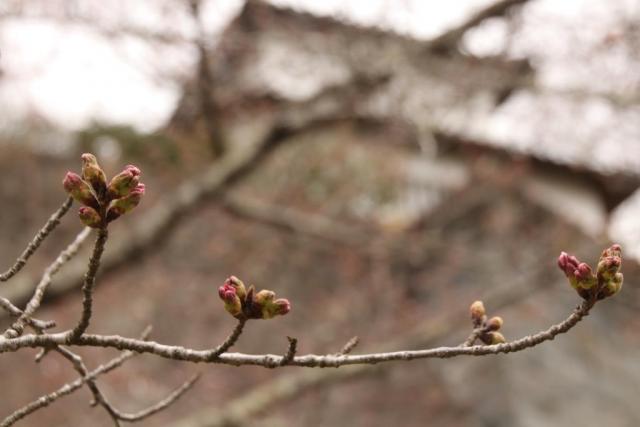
column 72, row 76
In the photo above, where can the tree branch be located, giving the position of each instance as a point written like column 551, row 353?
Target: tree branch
column 448, row 40
column 33, row 246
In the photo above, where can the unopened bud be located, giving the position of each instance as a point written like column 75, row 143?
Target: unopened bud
column 609, row 266
column 477, row 312
column 231, row 301
column 279, row 307
column 611, row 287
column 567, row 263
column 497, row 338
column 125, row 204
column 90, row 217
column 94, row 175
column 584, row 276
column 268, row 306
column 494, row 323
column 238, row 285
column 79, row 190
column 122, row 184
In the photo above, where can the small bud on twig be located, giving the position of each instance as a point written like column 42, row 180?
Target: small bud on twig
column 90, row 217
column 249, row 304
column 79, row 190
column 122, row 184
column 478, row 313
column 94, row 175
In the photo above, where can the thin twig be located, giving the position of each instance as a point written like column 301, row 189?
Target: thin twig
column 349, row 346
column 229, row 341
column 66, row 389
column 87, row 287
column 33, row 246
column 18, row 326
column 291, row 351
column 14, row 311
column 167, row 401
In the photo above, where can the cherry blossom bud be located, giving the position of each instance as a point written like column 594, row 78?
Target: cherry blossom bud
column 611, row 287
column 79, row 190
column 497, row 338
column 231, row 300
column 609, row 266
column 477, row 312
column 125, row 204
column 584, row 276
column 94, row 175
column 122, row 184
column 90, row 217
column 279, row 307
column 238, row 285
column 269, row 306
column 494, row 323
column 567, row 263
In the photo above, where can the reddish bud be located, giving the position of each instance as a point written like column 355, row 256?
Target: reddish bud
column 268, row 306
column 125, row 204
column 90, row 217
column 232, row 303
column 567, row 263
column 122, row 184
column 238, row 285
column 79, row 190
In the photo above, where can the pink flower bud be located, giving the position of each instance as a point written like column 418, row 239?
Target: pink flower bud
column 79, row 190
column 90, row 217
column 567, row 263
column 125, row 204
column 238, row 285
column 133, row 169
column 94, row 175
column 123, row 183
column 232, row 303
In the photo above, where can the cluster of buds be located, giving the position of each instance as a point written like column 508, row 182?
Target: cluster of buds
column 605, row 282
column 243, row 303
column 102, row 202
column 488, row 328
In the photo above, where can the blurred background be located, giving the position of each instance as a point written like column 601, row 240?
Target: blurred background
column 380, row 163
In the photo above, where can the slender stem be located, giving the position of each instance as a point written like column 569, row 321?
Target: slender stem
column 87, row 287
column 18, row 326
column 33, row 246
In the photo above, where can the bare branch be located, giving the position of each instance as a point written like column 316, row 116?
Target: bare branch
column 16, row 312
column 288, row 219
column 67, row 389
column 349, row 346
column 310, row 360
column 33, row 246
column 17, row 328
column 230, row 341
column 87, row 288
column 449, row 39
column 291, row 351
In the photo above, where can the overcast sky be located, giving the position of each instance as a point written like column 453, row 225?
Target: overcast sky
column 72, row 75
